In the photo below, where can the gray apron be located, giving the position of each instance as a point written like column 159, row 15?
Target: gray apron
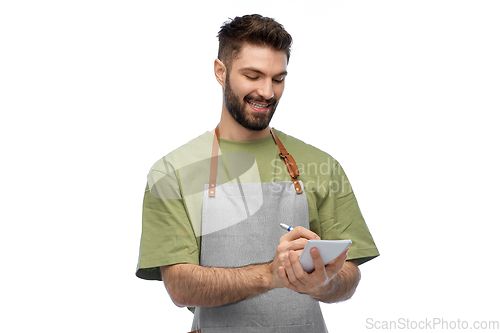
column 251, row 241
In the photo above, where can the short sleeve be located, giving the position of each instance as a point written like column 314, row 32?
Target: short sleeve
column 341, row 218
column 167, row 235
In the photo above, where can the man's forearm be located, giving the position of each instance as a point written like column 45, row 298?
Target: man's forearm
column 192, row 285
column 342, row 286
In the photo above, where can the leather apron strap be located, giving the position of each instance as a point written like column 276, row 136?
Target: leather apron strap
column 291, row 166
column 289, row 162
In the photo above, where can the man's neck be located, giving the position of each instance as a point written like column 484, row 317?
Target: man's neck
column 230, row 129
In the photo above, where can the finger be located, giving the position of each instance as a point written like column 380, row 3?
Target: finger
column 294, row 245
column 319, row 266
column 291, row 273
column 284, row 278
column 298, row 271
column 282, row 275
column 299, row 232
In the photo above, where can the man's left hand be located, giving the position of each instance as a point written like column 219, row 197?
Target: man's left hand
column 316, row 284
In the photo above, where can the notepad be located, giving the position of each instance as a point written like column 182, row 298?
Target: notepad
column 329, row 250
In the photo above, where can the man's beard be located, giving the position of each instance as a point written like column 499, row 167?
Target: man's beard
column 254, row 121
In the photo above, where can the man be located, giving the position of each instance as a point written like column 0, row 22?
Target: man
column 212, row 207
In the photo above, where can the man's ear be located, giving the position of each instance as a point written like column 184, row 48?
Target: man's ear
column 220, row 71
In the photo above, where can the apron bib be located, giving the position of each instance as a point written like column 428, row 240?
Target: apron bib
column 252, row 241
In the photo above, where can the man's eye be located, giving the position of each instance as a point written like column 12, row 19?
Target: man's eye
column 251, row 77
column 279, row 80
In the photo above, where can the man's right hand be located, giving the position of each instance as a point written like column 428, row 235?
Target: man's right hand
column 294, row 240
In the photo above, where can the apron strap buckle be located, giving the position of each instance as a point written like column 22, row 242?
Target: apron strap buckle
column 293, row 170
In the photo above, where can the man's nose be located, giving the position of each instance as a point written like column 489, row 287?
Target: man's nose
column 266, row 89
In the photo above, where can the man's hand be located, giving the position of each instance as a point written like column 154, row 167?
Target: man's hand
column 334, row 282
column 293, row 241
column 316, row 284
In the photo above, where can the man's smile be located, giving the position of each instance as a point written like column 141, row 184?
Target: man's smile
column 259, row 106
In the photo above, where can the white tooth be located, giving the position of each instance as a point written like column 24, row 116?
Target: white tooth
column 258, row 105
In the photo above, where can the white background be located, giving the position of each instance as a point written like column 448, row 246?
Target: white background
column 92, row 93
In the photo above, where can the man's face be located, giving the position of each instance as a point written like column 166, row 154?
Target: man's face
column 254, row 86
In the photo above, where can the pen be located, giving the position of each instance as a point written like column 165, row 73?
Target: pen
column 286, row 227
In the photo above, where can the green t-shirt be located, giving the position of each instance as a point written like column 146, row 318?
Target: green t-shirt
column 173, row 197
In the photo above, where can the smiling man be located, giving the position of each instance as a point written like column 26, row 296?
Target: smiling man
column 259, row 76
column 212, row 207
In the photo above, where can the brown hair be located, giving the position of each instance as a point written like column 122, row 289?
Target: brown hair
column 255, row 30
